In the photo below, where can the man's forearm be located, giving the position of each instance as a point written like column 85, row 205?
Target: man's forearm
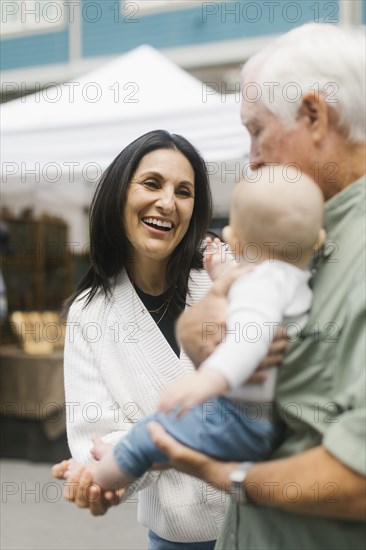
column 191, row 329
column 313, row 482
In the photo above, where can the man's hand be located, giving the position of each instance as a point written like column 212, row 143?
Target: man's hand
column 211, row 309
column 191, row 390
column 274, row 357
column 267, row 483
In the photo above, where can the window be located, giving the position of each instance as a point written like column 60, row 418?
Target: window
column 27, row 16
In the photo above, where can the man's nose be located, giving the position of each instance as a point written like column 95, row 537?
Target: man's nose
column 255, row 164
column 255, row 161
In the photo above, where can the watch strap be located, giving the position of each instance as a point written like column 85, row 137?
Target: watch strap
column 237, row 478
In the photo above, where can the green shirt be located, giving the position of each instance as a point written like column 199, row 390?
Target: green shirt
column 321, row 388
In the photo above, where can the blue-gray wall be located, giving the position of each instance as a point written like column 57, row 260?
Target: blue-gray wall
column 107, row 30
column 37, row 49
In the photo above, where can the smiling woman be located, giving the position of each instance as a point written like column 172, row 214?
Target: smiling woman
column 149, row 217
column 159, row 177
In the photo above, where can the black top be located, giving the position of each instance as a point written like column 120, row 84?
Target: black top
column 165, row 321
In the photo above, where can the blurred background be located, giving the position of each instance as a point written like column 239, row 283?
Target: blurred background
column 80, row 80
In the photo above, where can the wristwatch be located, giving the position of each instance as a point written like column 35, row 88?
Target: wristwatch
column 237, row 478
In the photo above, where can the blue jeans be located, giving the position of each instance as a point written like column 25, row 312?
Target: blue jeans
column 157, row 543
column 219, row 428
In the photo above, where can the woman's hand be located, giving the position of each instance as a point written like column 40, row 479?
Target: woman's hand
column 58, row 470
column 71, row 471
column 81, row 490
column 64, row 469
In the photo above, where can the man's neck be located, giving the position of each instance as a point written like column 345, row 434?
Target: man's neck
column 349, row 166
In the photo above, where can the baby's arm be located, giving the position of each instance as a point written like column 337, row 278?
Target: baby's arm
column 256, row 303
column 192, row 389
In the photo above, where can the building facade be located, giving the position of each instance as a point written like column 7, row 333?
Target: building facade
column 52, row 41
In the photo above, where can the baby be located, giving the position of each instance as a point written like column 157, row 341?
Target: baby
column 275, row 225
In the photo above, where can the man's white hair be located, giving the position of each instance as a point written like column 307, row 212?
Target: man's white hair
column 319, row 58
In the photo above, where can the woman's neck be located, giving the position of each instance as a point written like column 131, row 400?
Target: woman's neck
column 148, row 275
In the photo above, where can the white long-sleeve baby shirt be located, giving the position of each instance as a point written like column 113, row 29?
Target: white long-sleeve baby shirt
column 274, row 292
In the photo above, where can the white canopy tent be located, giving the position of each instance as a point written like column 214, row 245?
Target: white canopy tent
column 56, row 142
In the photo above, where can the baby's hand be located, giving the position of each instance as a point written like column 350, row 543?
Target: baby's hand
column 100, row 448
column 217, row 259
column 191, row 390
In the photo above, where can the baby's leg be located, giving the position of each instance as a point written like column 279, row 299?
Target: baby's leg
column 135, row 453
column 108, row 474
column 226, row 430
column 219, row 428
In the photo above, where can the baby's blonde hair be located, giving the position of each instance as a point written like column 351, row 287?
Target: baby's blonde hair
column 278, row 205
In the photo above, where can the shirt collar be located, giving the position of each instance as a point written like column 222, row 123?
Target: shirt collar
column 334, row 210
column 338, row 206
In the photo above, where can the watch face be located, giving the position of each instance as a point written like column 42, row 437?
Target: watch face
column 238, row 476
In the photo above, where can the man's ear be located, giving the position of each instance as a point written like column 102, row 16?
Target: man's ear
column 314, row 110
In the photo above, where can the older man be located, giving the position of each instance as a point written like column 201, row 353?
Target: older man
column 311, row 495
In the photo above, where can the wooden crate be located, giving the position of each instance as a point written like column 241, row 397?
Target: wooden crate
column 38, row 332
column 36, row 263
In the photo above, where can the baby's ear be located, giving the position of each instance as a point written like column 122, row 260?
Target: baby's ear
column 228, row 235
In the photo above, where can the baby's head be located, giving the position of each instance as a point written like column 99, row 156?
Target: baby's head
column 279, row 211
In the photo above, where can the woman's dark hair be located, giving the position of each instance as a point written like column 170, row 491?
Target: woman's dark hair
column 109, row 246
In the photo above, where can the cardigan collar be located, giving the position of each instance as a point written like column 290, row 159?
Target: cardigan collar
column 144, row 337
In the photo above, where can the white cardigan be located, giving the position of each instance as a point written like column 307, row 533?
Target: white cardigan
column 117, row 362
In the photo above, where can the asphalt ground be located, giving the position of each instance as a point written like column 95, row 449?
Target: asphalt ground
column 35, row 516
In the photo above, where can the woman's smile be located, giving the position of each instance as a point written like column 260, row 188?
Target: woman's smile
column 159, row 225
